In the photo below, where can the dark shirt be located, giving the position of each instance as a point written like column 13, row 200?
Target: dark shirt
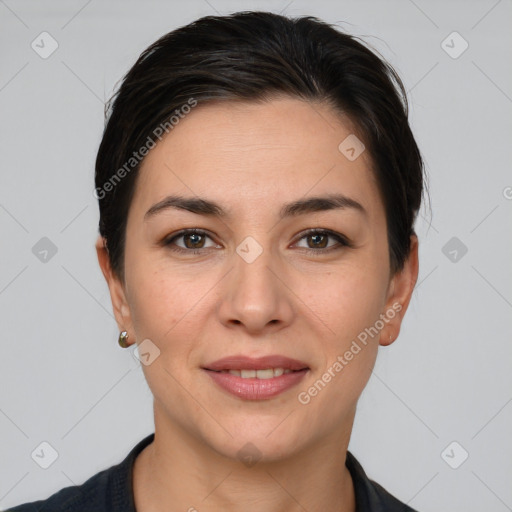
column 111, row 490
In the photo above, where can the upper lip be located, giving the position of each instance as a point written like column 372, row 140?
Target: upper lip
column 240, row 362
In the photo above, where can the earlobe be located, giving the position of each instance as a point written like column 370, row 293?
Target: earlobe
column 116, row 288
column 400, row 293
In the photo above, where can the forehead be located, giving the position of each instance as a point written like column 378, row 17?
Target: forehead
column 243, row 153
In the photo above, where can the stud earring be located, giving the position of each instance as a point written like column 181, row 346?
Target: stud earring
column 123, row 336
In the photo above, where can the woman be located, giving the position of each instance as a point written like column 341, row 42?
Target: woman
column 258, row 183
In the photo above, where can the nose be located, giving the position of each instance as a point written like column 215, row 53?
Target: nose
column 255, row 296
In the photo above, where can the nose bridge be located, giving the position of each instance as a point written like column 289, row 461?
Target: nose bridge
column 252, row 275
column 256, row 297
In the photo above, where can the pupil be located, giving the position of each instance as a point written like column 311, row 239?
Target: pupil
column 193, row 238
column 317, row 240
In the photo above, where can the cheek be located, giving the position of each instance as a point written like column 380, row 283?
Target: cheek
column 158, row 303
column 348, row 300
column 349, row 303
column 168, row 307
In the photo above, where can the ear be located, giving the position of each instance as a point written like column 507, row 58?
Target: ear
column 117, row 291
column 400, row 291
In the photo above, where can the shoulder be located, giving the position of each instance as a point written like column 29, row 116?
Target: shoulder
column 371, row 496
column 387, row 501
column 110, row 489
column 88, row 496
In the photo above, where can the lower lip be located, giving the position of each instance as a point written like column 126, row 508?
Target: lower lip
column 256, row 389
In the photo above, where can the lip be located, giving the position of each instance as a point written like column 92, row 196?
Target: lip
column 239, row 362
column 254, row 388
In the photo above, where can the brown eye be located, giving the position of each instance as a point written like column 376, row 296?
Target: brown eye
column 193, row 240
column 190, row 241
column 319, row 241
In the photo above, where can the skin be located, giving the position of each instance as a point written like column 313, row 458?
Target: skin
column 197, row 308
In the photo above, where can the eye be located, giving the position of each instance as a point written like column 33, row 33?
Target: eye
column 318, row 241
column 192, row 239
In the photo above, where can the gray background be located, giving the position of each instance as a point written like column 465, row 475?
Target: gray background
column 64, row 379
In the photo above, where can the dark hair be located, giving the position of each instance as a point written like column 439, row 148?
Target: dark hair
column 255, row 56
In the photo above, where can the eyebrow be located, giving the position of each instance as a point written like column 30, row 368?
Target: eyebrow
column 300, row 207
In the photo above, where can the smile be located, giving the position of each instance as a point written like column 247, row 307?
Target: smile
column 258, row 378
column 269, row 373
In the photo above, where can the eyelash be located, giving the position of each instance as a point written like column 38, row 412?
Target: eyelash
column 342, row 241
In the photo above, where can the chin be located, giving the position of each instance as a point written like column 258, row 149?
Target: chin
column 259, row 438
column 250, row 450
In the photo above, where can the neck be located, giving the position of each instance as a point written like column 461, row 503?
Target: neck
column 177, row 471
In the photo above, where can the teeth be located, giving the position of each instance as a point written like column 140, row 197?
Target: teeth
column 269, row 373
column 265, row 374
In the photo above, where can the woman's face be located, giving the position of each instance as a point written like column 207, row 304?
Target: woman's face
column 256, row 283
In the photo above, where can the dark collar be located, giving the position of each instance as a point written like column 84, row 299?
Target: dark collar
column 112, row 489
column 370, row 496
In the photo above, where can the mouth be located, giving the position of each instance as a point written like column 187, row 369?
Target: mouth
column 267, row 373
column 256, row 378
